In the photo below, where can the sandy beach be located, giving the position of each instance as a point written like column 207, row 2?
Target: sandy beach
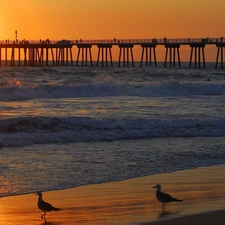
column 128, row 202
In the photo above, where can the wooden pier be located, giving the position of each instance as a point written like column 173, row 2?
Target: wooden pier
column 59, row 53
column 36, row 54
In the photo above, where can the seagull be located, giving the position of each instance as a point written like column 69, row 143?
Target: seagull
column 45, row 206
column 164, row 197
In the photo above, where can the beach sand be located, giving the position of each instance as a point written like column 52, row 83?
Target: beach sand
column 128, row 202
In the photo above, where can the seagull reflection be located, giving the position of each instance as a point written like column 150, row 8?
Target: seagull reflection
column 51, row 223
column 165, row 214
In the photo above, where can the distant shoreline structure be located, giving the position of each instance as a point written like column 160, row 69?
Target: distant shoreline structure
column 40, row 53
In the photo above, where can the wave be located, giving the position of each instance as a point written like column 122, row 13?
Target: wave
column 42, row 130
column 108, row 88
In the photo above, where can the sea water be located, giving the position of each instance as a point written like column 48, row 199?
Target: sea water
column 69, row 126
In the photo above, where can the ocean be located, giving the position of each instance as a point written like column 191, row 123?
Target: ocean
column 69, row 126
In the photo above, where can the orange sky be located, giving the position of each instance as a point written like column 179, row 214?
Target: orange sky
column 94, row 19
column 106, row 19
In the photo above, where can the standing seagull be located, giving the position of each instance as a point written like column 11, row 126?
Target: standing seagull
column 164, row 197
column 45, row 206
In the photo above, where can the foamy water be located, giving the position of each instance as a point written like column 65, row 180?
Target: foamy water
column 69, row 126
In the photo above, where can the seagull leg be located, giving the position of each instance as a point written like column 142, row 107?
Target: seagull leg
column 43, row 216
column 163, row 206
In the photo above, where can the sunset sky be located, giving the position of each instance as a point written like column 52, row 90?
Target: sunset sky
column 94, row 19
column 106, row 19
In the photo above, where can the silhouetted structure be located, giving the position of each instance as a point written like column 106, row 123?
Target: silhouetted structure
column 124, row 50
column 173, row 48
column 148, row 49
column 36, row 54
column 198, row 49
column 107, row 49
column 59, row 53
column 84, row 49
column 220, row 51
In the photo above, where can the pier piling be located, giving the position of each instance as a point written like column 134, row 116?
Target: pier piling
column 124, row 51
column 85, row 49
column 147, row 50
column 173, row 48
column 107, row 49
column 220, row 51
column 198, row 51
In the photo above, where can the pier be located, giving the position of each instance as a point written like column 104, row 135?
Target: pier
column 60, row 52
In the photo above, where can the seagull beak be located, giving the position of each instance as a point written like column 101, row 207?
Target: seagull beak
column 154, row 187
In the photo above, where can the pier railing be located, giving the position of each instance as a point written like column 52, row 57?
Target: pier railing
column 160, row 41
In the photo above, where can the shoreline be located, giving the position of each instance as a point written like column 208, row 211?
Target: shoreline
column 125, row 202
column 84, row 185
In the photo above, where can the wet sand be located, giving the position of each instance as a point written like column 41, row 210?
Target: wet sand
column 209, row 218
column 128, row 202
